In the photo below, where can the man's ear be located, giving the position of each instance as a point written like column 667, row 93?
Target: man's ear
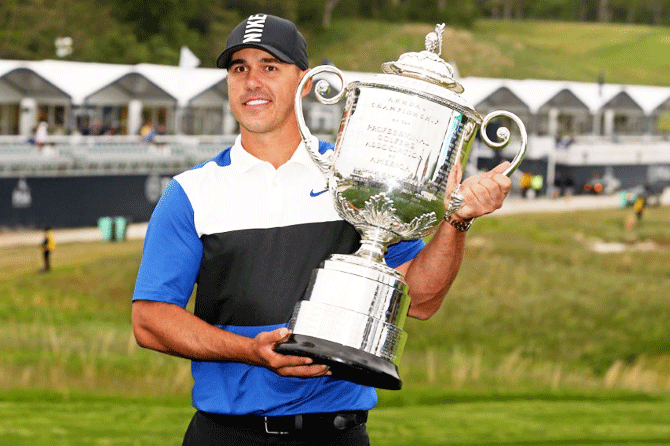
column 307, row 87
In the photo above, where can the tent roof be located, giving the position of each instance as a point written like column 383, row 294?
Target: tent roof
column 80, row 80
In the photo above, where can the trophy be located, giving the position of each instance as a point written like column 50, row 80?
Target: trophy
column 401, row 134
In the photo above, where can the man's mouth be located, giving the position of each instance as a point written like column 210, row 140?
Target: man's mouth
column 256, row 102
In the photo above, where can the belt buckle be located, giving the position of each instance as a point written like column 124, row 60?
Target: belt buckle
column 268, row 431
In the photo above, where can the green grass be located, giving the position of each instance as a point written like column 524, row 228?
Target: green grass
column 623, row 53
column 29, row 418
column 535, row 305
column 541, row 340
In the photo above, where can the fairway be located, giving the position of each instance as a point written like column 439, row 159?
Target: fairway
column 543, row 339
column 115, row 421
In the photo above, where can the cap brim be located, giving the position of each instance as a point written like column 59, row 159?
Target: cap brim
column 223, row 61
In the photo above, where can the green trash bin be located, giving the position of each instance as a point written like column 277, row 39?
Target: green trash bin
column 120, row 228
column 105, row 225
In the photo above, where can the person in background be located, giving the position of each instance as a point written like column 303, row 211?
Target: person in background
column 147, row 132
column 536, row 184
column 48, row 245
column 41, row 134
column 248, row 227
column 525, row 182
column 559, row 185
column 639, row 205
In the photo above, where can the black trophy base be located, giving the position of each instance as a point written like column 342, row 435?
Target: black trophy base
column 346, row 363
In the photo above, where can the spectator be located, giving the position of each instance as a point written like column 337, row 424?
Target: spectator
column 559, row 185
column 639, row 205
column 41, row 134
column 536, row 184
column 569, row 185
column 525, row 183
column 147, row 132
column 48, row 245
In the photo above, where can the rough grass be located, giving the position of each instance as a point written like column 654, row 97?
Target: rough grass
column 534, row 307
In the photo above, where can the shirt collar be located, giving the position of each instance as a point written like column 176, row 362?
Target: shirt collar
column 242, row 159
column 246, row 161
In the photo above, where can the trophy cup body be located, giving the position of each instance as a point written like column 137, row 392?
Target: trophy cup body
column 401, row 134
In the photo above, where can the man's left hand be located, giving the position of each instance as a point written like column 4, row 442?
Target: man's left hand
column 483, row 193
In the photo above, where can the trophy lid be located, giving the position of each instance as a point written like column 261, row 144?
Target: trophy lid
column 427, row 65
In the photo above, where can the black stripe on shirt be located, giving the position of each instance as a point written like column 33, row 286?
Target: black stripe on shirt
column 256, row 276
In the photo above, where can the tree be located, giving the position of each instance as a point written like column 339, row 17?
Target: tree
column 328, row 12
column 554, row 9
column 656, row 7
column 603, row 11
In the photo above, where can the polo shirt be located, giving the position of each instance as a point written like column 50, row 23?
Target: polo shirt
column 249, row 235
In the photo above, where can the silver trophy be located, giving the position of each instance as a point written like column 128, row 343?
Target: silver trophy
column 400, row 136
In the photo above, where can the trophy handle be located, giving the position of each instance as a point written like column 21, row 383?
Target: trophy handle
column 504, row 135
column 323, row 161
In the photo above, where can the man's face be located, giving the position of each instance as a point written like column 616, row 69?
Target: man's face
column 261, row 89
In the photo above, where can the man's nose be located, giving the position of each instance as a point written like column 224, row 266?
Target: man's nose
column 253, row 79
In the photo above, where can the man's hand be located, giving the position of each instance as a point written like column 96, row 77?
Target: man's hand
column 263, row 346
column 483, row 193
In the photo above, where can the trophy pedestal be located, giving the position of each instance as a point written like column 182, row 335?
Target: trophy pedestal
column 346, row 363
column 351, row 320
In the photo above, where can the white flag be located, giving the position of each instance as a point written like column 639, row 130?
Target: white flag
column 187, row 59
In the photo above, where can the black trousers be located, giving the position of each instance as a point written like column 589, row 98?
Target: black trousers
column 205, row 430
column 47, row 263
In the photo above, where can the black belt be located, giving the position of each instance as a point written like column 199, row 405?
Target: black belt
column 293, row 424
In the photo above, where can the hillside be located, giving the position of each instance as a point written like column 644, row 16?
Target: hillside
column 623, row 54
column 556, row 50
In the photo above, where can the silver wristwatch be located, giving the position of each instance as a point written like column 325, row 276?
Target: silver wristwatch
column 461, row 225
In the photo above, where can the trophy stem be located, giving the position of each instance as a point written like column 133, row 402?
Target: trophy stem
column 371, row 250
column 374, row 243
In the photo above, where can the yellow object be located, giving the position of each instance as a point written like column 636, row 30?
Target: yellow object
column 49, row 241
column 537, row 182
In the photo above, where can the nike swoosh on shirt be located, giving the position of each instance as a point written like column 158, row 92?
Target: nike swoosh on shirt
column 316, row 194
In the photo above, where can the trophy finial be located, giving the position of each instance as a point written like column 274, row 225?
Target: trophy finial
column 426, row 65
column 434, row 39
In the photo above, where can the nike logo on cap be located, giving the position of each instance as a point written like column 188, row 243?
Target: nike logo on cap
column 254, row 30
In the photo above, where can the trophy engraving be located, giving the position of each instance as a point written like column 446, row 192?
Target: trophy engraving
column 401, row 134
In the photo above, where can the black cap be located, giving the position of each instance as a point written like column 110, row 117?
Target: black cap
column 275, row 35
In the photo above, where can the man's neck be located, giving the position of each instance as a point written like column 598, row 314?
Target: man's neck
column 271, row 147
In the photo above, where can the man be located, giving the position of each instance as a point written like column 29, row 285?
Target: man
column 246, row 229
column 48, row 245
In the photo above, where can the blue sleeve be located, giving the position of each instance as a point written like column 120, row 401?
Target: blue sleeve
column 403, row 251
column 172, row 251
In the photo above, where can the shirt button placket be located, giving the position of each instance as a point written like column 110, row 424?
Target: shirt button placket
column 275, row 200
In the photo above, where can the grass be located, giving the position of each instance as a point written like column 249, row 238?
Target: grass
column 28, row 418
column 623, row 53
column 541, row 340
column 533, row 302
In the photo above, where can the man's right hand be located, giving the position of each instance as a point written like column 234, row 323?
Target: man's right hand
column 264, row 349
